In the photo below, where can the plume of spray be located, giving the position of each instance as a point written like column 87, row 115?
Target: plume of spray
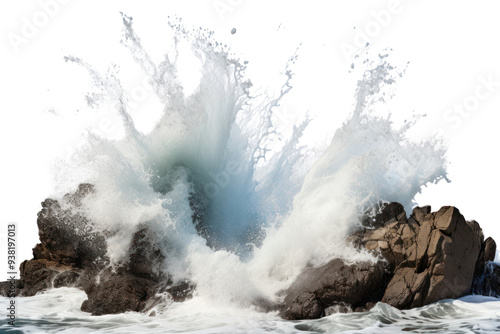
column 369, row 161
column 228, row 212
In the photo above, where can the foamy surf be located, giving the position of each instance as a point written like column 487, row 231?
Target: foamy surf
column 61, row 314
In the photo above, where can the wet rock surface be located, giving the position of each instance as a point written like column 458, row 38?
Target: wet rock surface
column 336, row 284
column 423, row 258
column 71, row 253
column 447, row 248
column 111, row 292
column 418, row 260
column 66, row 235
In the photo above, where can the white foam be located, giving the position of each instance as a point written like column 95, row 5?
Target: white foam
column 58, row 311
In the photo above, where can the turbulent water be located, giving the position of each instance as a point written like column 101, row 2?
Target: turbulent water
column 238, row 208
column 58, row 311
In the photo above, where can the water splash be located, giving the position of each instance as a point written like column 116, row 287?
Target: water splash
column 368, row 161
column 228, row 204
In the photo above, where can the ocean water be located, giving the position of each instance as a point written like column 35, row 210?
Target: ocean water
column 58, row 311
column 265, row 204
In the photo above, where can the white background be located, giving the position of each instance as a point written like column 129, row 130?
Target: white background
column 452, row 47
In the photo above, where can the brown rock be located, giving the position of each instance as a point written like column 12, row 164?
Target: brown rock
column 446, row 254
column 115, row 292
column 419, row 213
column 66, row 235
column 11, row 288
column 72, row 253
column 68, row 245
column 424, row 258
column 181, row 291
column 394, row 239
column 406, row 288
column 333, row 284
column 488, row 253
column 384, row 214
column 138, row 286
column 446, row 219
column 429, row 257
column 75, row 199
column 145, row 260
column 40, row 275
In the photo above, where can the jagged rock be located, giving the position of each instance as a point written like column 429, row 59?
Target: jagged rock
column 488, row 252
column 11, row 288
column 67, row 247
column 448, row 248
column 386, row 212
column 165, row 295
column 432, row 255
column 421, row 259
column 76, row 198
column 128, row 287
column 111, row 292
column 429, row 257
column 334, row 284
column 420, row 213
column 115, row 292
column 40, row 275
column 72, row 253
column 68, row 278
column 138, row 286
column 394, row 238
column 181, row 291
column 145, row 260
column 66, row 235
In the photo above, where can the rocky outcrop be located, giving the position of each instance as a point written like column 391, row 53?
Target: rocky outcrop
column 391, row 234
column 40, row 275
column 72, row 253
column 425, row 258
column 487, row 273
column 417, row 260
column 488, row 252
column 68, row 246
column 334, row 285
column 136, row 286
column 116, row 291
column 66, row 235
column 447, row 248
